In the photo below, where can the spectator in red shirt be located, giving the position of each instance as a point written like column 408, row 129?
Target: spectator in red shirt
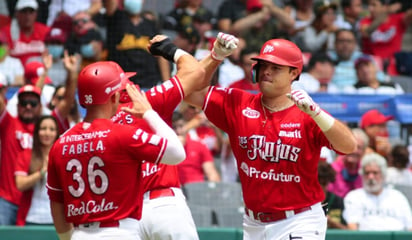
column 382, row 32
column 25, row 36
column 16, row 137
column 199, row 164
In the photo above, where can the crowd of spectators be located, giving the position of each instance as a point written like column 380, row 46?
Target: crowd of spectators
column 350, row 47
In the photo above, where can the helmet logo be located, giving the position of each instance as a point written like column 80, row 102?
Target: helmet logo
column 108, row 90
column 268, row 49
column 88, row 99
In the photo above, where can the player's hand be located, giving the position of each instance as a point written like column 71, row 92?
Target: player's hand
column 224, row 45
column 140, row 102
column 304, row 102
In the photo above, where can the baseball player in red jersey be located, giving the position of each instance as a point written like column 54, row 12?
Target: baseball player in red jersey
column 164, row 204
column 276, row 137
column 92, row 180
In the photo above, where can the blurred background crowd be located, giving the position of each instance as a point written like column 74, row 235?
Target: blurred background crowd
column 350, row 47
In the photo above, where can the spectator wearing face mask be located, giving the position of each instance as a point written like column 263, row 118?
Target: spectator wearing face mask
column 86, row 39
column 55, row 42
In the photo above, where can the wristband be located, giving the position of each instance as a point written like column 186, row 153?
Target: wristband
column 178, row 54
column 66, row 235
column 165, row 48
column 324, row 121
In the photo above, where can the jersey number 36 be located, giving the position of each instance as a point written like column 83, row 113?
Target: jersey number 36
column 92, row 175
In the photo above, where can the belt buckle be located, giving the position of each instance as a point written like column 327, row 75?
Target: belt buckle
column 263, row 217
column 90, row 225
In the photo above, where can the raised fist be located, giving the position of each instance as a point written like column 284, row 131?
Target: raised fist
column 224, row 45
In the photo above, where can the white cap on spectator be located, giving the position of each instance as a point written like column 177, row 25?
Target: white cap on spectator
column 22, row 4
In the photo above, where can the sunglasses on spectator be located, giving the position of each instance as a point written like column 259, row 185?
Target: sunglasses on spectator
column 81, row 21
column 27, row 10
column 25, row 103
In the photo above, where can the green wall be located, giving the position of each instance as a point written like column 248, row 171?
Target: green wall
column 48, row 233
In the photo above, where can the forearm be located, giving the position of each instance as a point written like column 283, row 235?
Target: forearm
column 246, row 23
column 341, row 138
column 366, row 31
column 283, row 17
column 190, row 70
column 24, row 183
column 164, row 68
column 210, row 171
column 174, row 153
column 210, row 65
column 63, row 228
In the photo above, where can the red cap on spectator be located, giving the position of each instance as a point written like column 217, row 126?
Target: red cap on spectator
column 56, row 35
column 363, row 59
column 373, row 117
column 30, row 89
column 33, row 71
column 253, row 5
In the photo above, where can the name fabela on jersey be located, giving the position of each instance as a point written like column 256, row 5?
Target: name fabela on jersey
column 82, row 143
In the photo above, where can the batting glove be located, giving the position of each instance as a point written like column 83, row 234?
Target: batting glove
column 307, row 105
column 224, row 45
column 304, row 102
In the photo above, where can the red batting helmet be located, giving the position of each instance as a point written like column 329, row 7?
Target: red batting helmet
column 281, row 52
column 99, row 81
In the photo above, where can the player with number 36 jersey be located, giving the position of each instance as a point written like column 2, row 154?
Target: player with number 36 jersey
column 94, row 179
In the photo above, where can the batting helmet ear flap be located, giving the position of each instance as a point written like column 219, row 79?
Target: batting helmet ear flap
column 255, row 72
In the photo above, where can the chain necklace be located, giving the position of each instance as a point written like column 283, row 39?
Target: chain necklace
column 276, row 109
column 272, row 109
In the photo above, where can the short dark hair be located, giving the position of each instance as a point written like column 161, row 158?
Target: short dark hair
column 326, row 172
column 341, row 30
column 319, row 56
column 246, row 51
column 400, row 156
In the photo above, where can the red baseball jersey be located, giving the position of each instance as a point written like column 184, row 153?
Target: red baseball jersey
column 387, row 38
column 94, row 170
column 277, row 153
column 16, row 138
column 164, row 100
